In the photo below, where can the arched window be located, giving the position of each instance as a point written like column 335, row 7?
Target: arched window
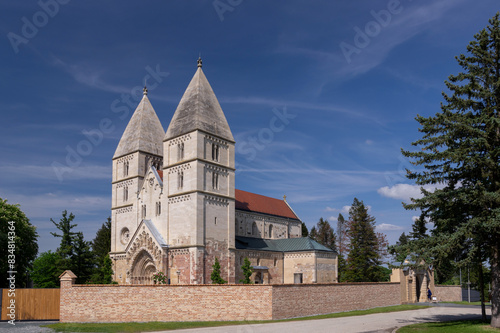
column 270, row 231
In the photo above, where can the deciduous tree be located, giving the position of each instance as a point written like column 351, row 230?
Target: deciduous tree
column 18, row 244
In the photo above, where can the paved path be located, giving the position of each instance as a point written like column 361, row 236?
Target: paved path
column 382, row 322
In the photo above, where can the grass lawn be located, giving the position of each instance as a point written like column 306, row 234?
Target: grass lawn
column 162, row 326
column 469, row 326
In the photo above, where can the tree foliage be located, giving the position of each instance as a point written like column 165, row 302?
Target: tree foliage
column 459, row 153
column 44, row 272
column 323, row 234
column 247, row 272
column 342, row 247
column 101, row 246
column 363, row 260
column 24, row 248
column 74, row 252
column 216, row 273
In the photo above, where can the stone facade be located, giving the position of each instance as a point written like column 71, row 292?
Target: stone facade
column 175, row 207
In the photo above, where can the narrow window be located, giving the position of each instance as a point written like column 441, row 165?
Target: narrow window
column 255, row 231
column 125, row 169
column 270, row 231
column 158, row 208
column 180, row 151
column 125, row 193
column 215, row 152
column 215, row 180
column 180, row 180
column 215, row 220
column 143, row 211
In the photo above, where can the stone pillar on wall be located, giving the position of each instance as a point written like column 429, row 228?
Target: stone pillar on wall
column 67, row 279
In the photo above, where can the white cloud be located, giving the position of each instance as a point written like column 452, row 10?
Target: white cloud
column 406, row 191
column 388, row 227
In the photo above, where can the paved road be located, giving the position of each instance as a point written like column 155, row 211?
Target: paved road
column 382, row 322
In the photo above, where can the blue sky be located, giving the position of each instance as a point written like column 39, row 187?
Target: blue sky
column 320, row 95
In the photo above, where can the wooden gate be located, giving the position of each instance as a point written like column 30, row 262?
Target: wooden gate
column 32, row 304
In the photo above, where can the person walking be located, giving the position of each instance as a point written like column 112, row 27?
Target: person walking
column 429, row 294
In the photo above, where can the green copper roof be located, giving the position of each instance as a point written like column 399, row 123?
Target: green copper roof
column 280, row 245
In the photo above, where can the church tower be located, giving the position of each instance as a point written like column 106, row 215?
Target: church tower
column 198, row 171
column 139, row 147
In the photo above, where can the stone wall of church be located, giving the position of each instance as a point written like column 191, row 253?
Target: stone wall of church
column 272, row 260
column 250, row 224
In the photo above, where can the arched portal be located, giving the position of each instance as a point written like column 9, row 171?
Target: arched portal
column 143, row 268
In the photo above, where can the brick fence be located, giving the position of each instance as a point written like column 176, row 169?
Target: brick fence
column 128, row 303
column 448, row 293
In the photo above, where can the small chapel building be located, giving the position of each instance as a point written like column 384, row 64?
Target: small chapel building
column 175, row 207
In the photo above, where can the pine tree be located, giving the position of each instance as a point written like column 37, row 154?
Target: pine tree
column 323, row 234
column 66, row 248
column 82, row 260
column 101, row 246
column 419, row 229
column 363, row 261
column 215, row 276
column 305, row 232
column 460, row 150
column 342, row 246
column 247, row 272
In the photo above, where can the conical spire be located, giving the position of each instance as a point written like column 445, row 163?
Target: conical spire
column 199, row 109
column 144, row 131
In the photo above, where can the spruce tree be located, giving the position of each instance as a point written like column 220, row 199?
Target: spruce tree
column 247, row 272
column 460, row 150
column 305, row 232
column 342, row 240
column 323, row 234
column 363, row 261
column 215, row 276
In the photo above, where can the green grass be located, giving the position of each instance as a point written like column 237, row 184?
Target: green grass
column 469, row 326
column 163, row 326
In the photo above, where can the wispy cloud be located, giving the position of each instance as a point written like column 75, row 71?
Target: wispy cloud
column 388, row 227
column 406, row 191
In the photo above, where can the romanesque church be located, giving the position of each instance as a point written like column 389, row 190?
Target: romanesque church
column 175, row 207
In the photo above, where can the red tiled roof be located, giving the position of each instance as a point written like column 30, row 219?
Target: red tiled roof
column 160, row 173
column 262, row 204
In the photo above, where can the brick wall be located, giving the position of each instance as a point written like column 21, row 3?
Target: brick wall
column 291, row 301
column 448, row 293
column 119, row 303
column 128, row 303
